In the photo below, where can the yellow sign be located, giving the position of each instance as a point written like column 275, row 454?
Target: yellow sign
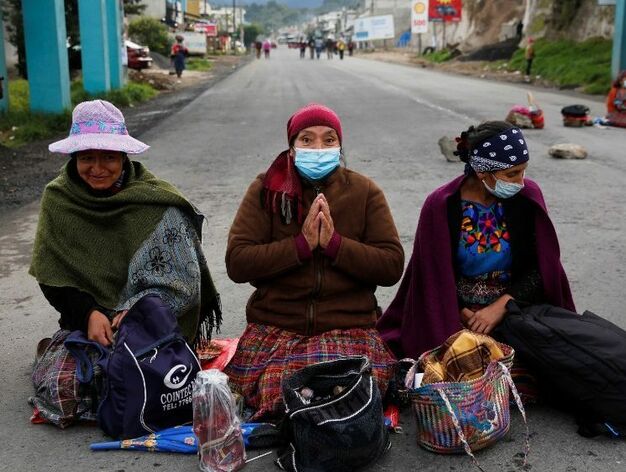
column 419, row 8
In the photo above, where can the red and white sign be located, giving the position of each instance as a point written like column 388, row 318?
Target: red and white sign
column 419, row 16
column 445, row 10
column 210, row 29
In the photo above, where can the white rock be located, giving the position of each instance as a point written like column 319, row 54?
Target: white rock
column 448, row 146
column 568, row 151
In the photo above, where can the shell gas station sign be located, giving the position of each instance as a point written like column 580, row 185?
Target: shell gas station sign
column 419, row 16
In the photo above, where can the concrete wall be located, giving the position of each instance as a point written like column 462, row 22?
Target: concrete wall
column 10, row 52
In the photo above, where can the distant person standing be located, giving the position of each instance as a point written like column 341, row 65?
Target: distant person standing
column 319, row 45
column 302, row 48
column 341, row 47
column 267, row 47
column 529, row 55
column 312, row 48
column 258, row 46
column 178, row 54
column 330, row 48
column 350, row 47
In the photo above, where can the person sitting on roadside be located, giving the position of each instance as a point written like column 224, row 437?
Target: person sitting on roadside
column 110, row 232
column 616, row 101
column 482, row 239
column 314, row 239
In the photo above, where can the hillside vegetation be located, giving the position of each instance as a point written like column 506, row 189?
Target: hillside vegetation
column 569, row 64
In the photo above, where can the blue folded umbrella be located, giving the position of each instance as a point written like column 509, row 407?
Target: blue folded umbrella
column 182, row 439
column 179, row 439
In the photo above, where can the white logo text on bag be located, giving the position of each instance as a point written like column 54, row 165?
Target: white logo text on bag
column 175, row 379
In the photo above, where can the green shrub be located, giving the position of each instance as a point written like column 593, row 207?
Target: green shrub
column 18, row 95
column 196, row 63
column 571, row 64
column 152, row 33
column 130, row 94
column 20, row 126
column 439, row 56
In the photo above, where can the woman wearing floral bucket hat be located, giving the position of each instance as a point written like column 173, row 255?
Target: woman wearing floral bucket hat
column 110, row 232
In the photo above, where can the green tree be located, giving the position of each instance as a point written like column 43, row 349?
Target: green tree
column 250, row 33
column 133, row 7
column 152, row 33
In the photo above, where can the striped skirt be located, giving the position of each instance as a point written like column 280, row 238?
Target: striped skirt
column 266, row 354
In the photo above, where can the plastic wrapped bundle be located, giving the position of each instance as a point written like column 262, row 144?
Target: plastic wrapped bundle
column 215, row 422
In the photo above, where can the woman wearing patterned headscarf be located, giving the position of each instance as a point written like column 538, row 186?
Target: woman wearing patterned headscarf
column 482, row 239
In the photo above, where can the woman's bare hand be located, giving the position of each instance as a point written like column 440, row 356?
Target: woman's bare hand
column 466, row 316
column 99, row 328
column 115, row 324
column 486, row 319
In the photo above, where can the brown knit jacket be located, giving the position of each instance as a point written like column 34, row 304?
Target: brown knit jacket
column 316, row 295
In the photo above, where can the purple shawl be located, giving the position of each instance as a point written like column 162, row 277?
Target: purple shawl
column 425, row 311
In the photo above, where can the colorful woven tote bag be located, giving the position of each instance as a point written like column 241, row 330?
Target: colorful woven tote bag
column 465, row 416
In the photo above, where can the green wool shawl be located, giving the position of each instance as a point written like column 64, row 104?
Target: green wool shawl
column 86, row 241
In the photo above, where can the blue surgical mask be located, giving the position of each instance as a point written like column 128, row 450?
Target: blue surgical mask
column 504, row 189
column 315, row 164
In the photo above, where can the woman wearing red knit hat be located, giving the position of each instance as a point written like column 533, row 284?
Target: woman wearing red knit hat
column 315, row 239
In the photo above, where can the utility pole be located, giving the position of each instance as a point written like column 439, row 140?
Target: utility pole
column 234, row 21
column 619, row 39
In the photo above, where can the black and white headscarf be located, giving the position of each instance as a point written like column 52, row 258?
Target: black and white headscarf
column 499, row 152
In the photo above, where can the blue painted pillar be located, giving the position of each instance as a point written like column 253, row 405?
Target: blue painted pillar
column 114, row 33
column 619, row 38
column 4, row 101
column 94, row 45
column 46, row 55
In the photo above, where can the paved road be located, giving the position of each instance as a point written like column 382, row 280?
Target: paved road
column 392, row 117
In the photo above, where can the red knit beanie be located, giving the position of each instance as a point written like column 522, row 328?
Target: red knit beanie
column 313, row 114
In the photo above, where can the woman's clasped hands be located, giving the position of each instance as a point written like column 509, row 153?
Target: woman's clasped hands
column 485, row 320
column 318, row 227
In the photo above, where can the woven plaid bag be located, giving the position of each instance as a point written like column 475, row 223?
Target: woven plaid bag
column 457, row 417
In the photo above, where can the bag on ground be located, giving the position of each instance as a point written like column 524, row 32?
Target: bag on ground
column 334, row 417
column 466, row 408
column 148, row 375
column 66, row 384
column 579, row 360
column 575, row 115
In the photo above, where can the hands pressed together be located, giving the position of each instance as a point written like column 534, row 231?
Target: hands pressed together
column 100, row 329
column 486, row 319
column 318, row 227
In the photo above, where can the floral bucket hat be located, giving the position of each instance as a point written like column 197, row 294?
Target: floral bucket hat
column 98, row 124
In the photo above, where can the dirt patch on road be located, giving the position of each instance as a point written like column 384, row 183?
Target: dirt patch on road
column 25, row 171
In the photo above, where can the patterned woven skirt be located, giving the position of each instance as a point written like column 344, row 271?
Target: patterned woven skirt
column 266, row 354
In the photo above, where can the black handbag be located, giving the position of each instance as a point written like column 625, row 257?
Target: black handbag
column 579, row 360
column 575, row 110
column 334, row 418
